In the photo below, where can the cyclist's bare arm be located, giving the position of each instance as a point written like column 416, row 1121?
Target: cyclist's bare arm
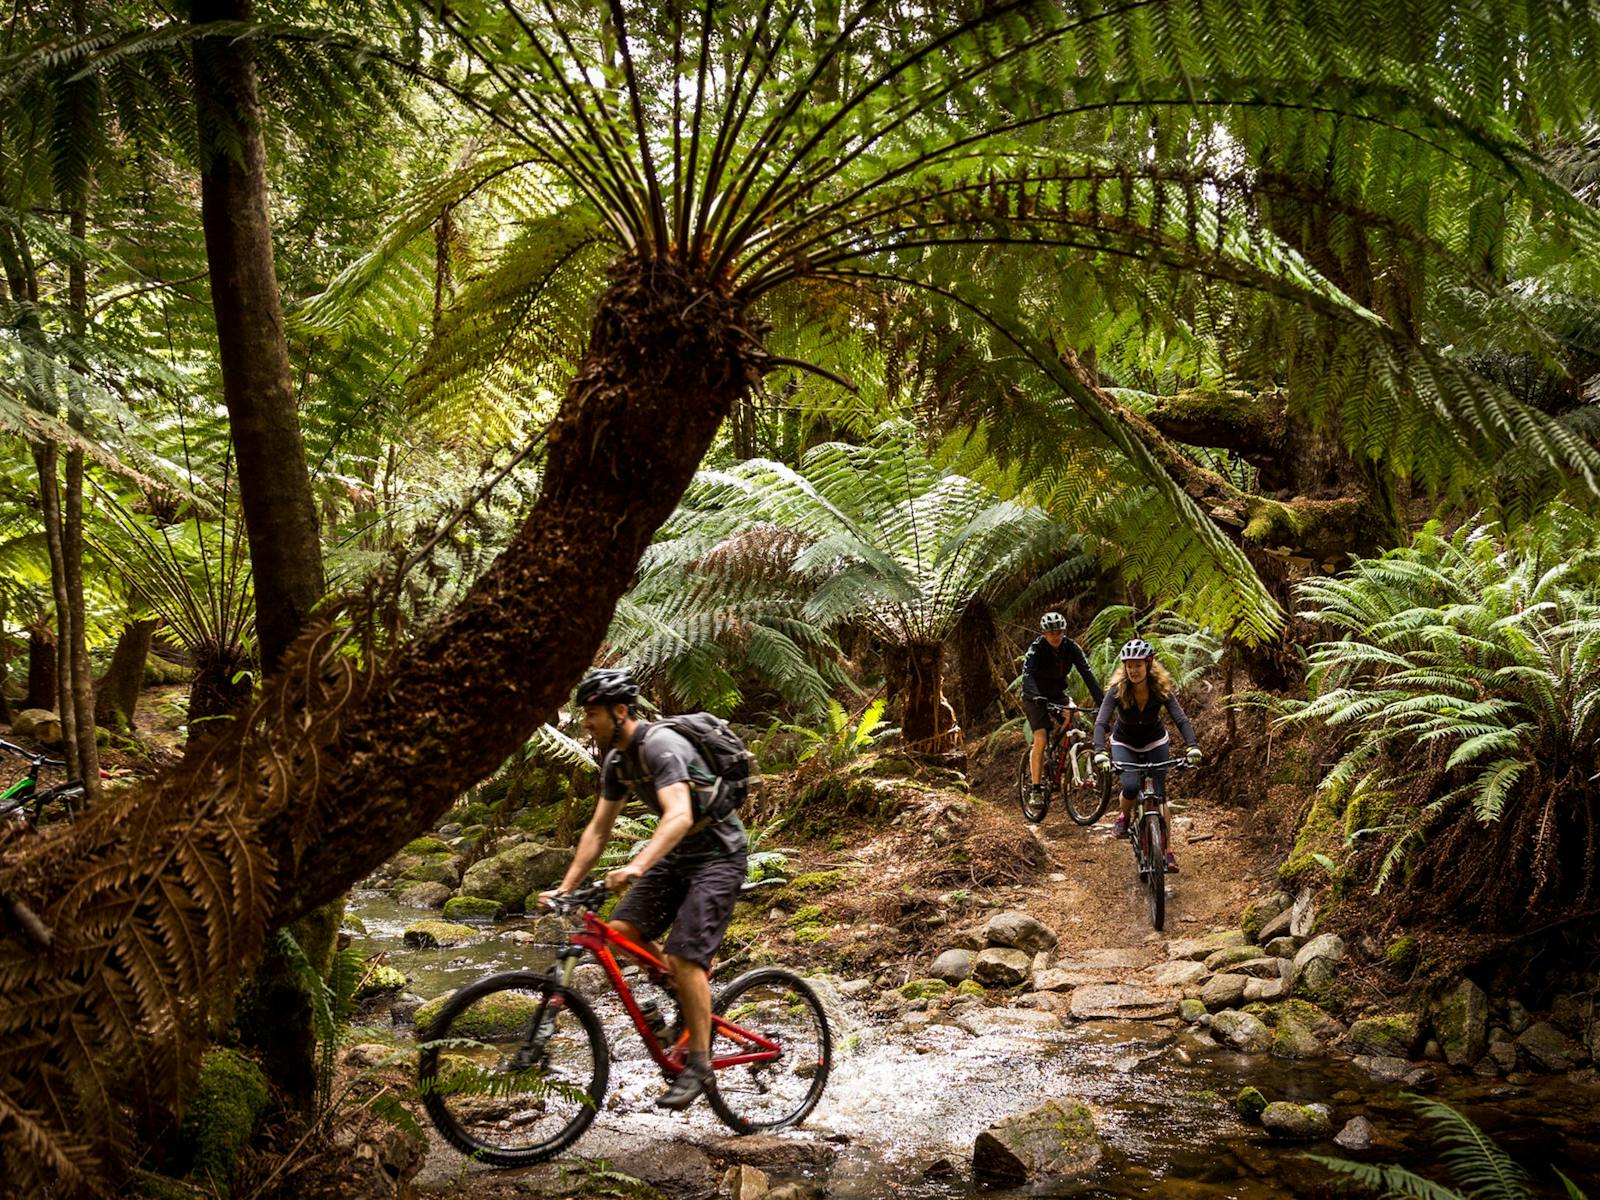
column 677, row 815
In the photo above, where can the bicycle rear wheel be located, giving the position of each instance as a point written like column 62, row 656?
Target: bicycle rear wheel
column 1034, row 809
column 513, row 1068
column 1153, row 850
column 779, row 1006
column 1087, row 800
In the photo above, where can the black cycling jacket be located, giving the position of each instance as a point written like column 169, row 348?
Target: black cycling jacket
column 1045, row 670
column 1139, row 726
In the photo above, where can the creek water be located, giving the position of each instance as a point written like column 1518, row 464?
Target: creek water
column 903, row 1106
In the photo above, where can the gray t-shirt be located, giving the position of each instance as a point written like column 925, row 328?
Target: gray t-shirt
column 655, row 758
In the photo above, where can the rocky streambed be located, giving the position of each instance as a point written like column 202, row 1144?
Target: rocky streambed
column 1194, row 1067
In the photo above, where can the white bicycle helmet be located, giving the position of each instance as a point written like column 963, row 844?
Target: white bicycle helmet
column 1137, row 648
column 1053, row 622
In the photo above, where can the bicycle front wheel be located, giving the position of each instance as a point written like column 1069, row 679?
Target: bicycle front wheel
column 513, row 1068
column 779, row 1006
column 1035, row 806
column 1154, row 852
column 1087, row 796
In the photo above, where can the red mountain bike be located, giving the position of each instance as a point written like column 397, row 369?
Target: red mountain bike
column 1148, row 833
column 514, row 1067
column 1067, row 768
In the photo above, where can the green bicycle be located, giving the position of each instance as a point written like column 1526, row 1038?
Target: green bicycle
column 16, row 800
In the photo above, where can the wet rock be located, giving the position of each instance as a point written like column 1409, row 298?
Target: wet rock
column 1058, row 1003
column 796, row 1191
column 744, row 1182
column 1262, row 968
column 998, row 967
column 1284, row 946
column 1356, row 1134
column 1295, row 1038
column 1397, row 1035
column 1258, row 912
column 429, row 935
column 773, row 1154
column 854, row 989
column 1191, row 1010
column 1056, row 1141
column 1242, row 1031
column 1010, row 1022
column 1201, row 948
column 1264, row 991
column 1224, row 960
column 497, row 1015
column 422, row 895
column 1546, row 1048
column 1180, row 972
column 1382, row 1068
column 1460, row 1023
column 1119, row 1001
column 1276, row 928
column 435, row 869
column 513, row 875
column 1017, row 930
column 1223, row 991
column 952, row 966
column 1316, row 964
column 1250, row 1103
column 1303, row 916
column 1304, row 1122
column 471, row 908
column 404, row 1009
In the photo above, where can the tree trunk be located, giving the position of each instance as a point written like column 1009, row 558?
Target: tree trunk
column 117, row 694
column 46, row 459
column 927, row 722
column 338, row 766
column 975, row 639
column 42, row 668
column 257, row 382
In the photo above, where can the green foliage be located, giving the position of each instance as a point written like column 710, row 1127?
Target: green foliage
column 844, row 736
column 228, row 1100
column 1186, row 650
column 1479, row 1169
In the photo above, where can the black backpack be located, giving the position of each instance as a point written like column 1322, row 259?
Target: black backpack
column 723, row 752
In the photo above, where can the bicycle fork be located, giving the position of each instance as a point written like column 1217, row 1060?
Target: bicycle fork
column 551, row 1004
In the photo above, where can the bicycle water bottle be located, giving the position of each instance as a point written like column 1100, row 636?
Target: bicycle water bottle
column 651, row 1012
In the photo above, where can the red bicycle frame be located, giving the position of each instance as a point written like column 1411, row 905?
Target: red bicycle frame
column 599, row 938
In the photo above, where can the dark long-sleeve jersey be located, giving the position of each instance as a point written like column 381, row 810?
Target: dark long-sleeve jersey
column 1139, row 727
column 1045, row 670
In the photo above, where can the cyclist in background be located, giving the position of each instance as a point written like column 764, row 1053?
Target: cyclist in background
column 1137, row 695
column 1051, row 658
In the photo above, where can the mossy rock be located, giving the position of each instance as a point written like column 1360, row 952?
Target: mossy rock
column 429, row 935
column 924, row 989
column 426, row 846
column 889, row 767
column 809, row 915
column 381, row 981
column 437, row 868
column 1403, row 953
column 539, row 821
column 1250, row 1103
column 1258, row 912
column 158, row 672
column 472, row 908
column 811, row 935
column 969, row 987
column 229, row 1098
column 817, row 881
column 1396, row 1035
column 497, row 1015
column 1322, row 832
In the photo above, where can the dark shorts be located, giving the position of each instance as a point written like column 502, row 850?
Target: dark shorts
column 695, row 898
column 1038, row 715
column 1132, row 780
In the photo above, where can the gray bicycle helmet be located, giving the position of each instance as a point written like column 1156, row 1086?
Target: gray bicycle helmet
column 608, row 685
column 1053, row 622
column 1137, row 648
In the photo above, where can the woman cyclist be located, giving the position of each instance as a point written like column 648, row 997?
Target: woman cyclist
column 1136, row 696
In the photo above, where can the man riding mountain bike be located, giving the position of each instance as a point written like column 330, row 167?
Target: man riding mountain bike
column 1050, row 659
column 1136, row 697
column 690, row 871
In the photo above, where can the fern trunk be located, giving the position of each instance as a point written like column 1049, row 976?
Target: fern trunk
column 927, row 722
column 339, row 764
column 117, row 694
column 47, row 459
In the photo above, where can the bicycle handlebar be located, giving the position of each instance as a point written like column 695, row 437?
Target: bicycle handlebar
column 589, row 896
column 1180, row 763
column 40, row 759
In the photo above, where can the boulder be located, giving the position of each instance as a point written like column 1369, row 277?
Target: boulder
column 497, row 1015
column 1225, row 959
column 471, row 908
column 952, row 966
column 422, row 895
column 1276, row 928
column 1460, row 1023
column 1119, row 1001
column 1304, row 1122
column 1008, row 1022
column 1241, row 1031
column 380, row 980
column 1018, row 931
column 1546, row 1048
column 1180, row 972
column 1284, row 946
column 429, row 935
column 437, row 868
column 1223, row 991
column 1316, row 964
column 1057, row 980
column 1056, row 1141
column 1258, row 912
column 1262, row 968
column 1356, row 1134
column 1201, row 948
column 1572, row 1014
column 1250, row 1103
column 999, row 967
column 1295, row 1038
column 513, row 875
column 1397, row 1035
column 40, row 724
column 1264, row 991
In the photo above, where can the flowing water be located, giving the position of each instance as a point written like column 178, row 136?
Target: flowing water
column 903, row 1107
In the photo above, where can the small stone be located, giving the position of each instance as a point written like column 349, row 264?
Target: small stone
column 1051, row 1002
column 1017, row 930
column 1223, row 991
column 952, row 966
column 1432, row 1052
column 450, row 829
column 1242, row 1031
column 1229, row 956
column 1517, row 1017
column 1250, row 1103
column 1356, row 1134
column 1296, row 1121
column 1119, row 1001
column 1000, row 967
column 1383, row 1068
column 1284, row 947
column 1192, row 1010
column 1202, row 947
column 743, row 1182
column 1276, row 928
column 1265, row 991
column 854, row 989
column 1263, row 968
column 368, row 1055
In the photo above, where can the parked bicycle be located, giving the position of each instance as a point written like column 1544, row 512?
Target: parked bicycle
column 1067, row 768
column 514, row 1067
column 1148, row 833
column 65, row 798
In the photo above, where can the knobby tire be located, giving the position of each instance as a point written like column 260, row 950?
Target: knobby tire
column 1033, row 813
column 771, row 994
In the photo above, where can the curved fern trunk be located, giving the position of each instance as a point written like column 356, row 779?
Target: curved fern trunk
column 927, row 722
column 116, row 695
column 336, row 768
